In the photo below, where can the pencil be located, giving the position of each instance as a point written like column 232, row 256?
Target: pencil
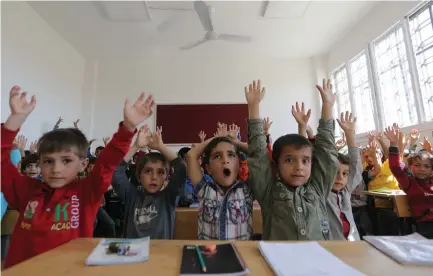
column 200, row 258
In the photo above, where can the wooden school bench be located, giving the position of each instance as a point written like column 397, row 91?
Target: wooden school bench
column 165, row 258
column 400, row 206
column 185, row 227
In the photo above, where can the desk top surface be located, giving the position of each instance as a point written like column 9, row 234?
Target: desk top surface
column 165, row 258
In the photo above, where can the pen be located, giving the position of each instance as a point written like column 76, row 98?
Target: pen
column 200, row 258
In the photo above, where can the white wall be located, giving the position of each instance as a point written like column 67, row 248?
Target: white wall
column 43, row 63
column 381, row 18
column 204, row 80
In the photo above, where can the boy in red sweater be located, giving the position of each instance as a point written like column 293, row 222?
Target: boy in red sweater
column 62, row 207
column 417, row 183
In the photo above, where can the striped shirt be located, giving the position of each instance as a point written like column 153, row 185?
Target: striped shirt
column 224, row 216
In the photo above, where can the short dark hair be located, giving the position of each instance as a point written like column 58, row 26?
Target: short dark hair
column 422, row 154
column 31, row 159
column 100, row 148
column 212, row 144
column 150, row 157
column 26, row 153
column 182, row 152
column 63, row 139
column 343, row 159
column 293, row 140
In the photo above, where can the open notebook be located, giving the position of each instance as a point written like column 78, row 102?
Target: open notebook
column 412, row 249
column 303, row 258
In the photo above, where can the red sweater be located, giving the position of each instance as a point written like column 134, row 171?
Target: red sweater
column 51, row 217
column 419, row 191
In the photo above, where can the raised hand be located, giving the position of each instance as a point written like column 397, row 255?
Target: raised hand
column 143, row 137
column 341, row 143
column 254, row 93
column 106, row 140
column 59, row 121
column 426, row 145
column 371, row 136
column 392, row 133
column 136, row 113
column 91, row 141
column 233, row 132
column 76, row 123
column 202, row 136
column 21, row 142
column 402, row 141
column 414, row 136
column 267, row 123
column 221, row 130
column 347, row 122
column 20, row 108
column 300, row 115
column 33, row 146
column 372, row 147
column 156, row 142
column 326, row 92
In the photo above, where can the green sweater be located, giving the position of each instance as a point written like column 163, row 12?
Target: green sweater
column 291, row 213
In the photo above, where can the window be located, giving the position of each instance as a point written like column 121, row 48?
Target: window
column 421, row 32
column 362, row 94
column 396, row 90
column 341, row 88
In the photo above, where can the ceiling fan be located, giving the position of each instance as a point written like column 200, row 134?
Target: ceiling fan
column 204, row 11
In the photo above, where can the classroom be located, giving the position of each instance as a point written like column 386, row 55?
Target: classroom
column 217, row 137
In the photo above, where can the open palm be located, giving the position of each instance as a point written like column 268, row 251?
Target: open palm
column 301, row 116
column 254, row 93
column 136, row 113
column 143, row 137
column 347, row 122
column 19, row 104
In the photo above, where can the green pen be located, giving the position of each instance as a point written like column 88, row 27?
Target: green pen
column 200, row 258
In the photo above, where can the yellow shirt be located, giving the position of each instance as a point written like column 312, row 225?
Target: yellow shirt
column 383, row 180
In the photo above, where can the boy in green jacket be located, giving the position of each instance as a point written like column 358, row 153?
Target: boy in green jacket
column 293, row 202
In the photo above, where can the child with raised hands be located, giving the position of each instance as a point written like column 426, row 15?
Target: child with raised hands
column 417, row 184
column 225, row 211
column 150, row 211
column 63, row 207
column 349, row 176
column 293, row 203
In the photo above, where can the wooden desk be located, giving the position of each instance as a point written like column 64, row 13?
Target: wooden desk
column 185, row 227
column 399, row 202
column 165, row 258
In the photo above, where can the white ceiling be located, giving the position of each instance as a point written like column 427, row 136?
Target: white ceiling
column 287, row 29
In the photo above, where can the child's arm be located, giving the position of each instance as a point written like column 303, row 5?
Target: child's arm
column 301, row 118
column 377, row 166
column 178, row 178
column 101, row 176
column 120, row 183
column 325, row 162
column 383, row 144
column 57, row 125
column 260, row 177
column 21, row 145
column 233, row 133
column 348, row 124
column 193, row 162
column 395, row 164
column 14, row 185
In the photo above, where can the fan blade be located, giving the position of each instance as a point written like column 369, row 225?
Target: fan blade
column 235, row 38
column 195, row 44
column 203, row 13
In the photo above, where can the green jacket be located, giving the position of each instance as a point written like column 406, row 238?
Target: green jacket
column 293, row 213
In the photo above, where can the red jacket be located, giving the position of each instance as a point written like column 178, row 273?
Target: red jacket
column 51, row 217
column 419, row 192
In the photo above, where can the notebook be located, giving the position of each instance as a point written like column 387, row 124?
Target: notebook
column 119, row 251
column 304, row 258
column 225, row 261
column 412, row 249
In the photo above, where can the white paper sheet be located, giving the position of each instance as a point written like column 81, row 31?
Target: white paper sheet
column 302, row 259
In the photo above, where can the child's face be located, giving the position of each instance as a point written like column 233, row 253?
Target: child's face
column 341, row 178
column 97, row 152
column 153, row 175
column 294, row 165
column 366, row 157
column 89, row 168
column 33, row 170
column 421, row 168
column 223, row 164
column 61, row 168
